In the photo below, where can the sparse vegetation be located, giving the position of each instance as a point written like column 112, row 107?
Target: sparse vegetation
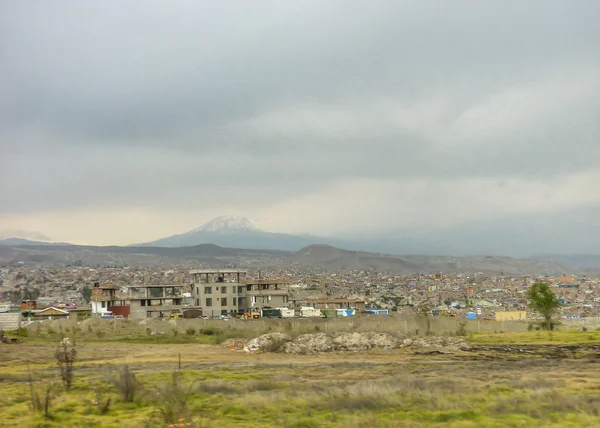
column 544, row 301
column 65, row 356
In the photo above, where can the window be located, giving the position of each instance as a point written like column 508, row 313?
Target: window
column 224, row 301
column 209, row 301
column 233, row 301
column 223, row 290
column 104, row 304
column 240, row 289
column 208, row 290
column 143, row 303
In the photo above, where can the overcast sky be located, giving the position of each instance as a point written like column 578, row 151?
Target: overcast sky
column 126, row 121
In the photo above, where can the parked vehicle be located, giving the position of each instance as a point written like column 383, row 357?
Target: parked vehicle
column 119, row 317
column 271, row 313
column 107, row 316
column 309, row 312
column 287, row 313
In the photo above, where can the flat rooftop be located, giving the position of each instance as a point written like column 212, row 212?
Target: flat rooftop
column 157, row 286
column 195, row 271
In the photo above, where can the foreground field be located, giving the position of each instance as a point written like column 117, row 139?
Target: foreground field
column 217, row 387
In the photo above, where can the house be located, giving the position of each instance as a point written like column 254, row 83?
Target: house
column 50, row 313
column 103, row 298
column 230, row 292
column 220, row 292
column 154, row 301
column 267, row 293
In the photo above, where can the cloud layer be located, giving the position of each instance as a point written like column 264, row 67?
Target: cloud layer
column 374, row 117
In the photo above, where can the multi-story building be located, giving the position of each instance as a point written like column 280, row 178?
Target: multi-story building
column 156, row 301
column 228, row 292
column 103, row 298
column 267, row 293
column 220, row 292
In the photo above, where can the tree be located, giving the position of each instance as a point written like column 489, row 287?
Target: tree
column 86, row 292
column 544, row 301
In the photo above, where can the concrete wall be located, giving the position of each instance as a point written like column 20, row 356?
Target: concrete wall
column 10, row 321
column 511, row 315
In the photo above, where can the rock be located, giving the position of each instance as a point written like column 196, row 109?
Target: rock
column 295, row 348
column 383, row 340
column 234, row 344
column 270, row 342
column 407, row 342
column 351, row 342
column 317, row 342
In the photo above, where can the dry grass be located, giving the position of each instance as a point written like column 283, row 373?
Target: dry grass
column 218, row 387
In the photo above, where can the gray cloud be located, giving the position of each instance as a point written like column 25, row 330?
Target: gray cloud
column 113, row 105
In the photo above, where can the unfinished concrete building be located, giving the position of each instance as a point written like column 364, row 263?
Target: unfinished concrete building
column 267, row 294
column 156, row 301
column 220, row 292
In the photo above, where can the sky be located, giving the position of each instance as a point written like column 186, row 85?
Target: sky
column 468, row 123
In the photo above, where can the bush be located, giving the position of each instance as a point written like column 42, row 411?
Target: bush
column 126, row 384
column 21, row 332
column 461, row 330
column 190, row 331
column 65, row 356
column 209, row 331
column 174, row 397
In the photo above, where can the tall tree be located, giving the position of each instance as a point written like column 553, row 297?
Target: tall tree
column 544, row 301
column 86, row 292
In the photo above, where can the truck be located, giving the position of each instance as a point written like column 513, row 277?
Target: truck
column 329, row 313
column 271, row 313
column 287, row 313
column 309, row 312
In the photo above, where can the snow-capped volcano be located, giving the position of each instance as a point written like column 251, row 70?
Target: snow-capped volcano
column 224, row 224
column 235, row 232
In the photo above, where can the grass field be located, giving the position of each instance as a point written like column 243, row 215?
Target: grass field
column 217, row 387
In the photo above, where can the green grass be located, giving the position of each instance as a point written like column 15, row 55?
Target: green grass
column 461, row 394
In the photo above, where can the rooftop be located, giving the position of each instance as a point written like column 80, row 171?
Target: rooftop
column 157, row 286
column 195, row 271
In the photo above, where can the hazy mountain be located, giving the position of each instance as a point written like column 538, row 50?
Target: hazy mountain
column 583, row 261
column 237, row 232
column 313, row 256
column 336, row 258
column 22, row 241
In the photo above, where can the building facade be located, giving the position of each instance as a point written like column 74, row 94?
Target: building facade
column 156, row 301
column 229, row 292
column 220, row 292
column 103, row 297
column 267, row 294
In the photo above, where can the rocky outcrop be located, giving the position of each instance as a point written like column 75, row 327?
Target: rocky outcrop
column 270, row 342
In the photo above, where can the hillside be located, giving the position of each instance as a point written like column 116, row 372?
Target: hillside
column 313, row 256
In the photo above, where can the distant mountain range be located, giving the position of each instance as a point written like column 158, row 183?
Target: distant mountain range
column 313, row 256
column 237, row 240
column 238, row 232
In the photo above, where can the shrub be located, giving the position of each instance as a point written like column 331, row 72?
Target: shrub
column 461, row 330
column 65, row 356
column 126, row 384
column 190, row 331
column 21, row 332
column 174, row 397
column 209, row 331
